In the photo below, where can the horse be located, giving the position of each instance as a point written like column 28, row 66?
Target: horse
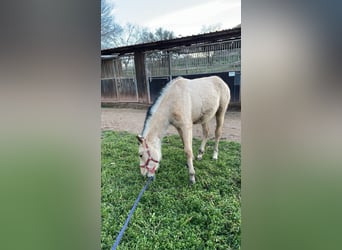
column 182, row 103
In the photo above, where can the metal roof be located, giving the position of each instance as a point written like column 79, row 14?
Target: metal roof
column 223, row 35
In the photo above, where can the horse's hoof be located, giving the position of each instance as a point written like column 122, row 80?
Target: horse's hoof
column 192, row 179
column 215, row 156
column 200, row 154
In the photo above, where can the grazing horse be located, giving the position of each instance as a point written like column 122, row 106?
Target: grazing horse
column 182, row 103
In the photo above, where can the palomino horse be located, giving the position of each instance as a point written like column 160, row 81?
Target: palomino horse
column 182, row 103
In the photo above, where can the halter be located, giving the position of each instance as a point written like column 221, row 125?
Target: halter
column 148, row 161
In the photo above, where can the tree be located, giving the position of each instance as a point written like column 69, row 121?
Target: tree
column 211, row 28
column 132, row 34
column 158, row 35
column 135, row 34
column 110, row 31
column 161, row 34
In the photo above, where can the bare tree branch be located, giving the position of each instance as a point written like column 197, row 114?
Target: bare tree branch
column 110, row 31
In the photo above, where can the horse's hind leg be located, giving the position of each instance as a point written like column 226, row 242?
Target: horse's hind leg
column 180, row 134
column 218, row 131
column 205, row 129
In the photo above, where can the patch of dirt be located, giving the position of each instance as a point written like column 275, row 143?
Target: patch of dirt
column 132, row 120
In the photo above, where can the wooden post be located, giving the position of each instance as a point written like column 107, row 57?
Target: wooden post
column 140, row 73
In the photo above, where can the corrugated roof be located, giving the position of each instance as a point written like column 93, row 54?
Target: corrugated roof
column 222, row 35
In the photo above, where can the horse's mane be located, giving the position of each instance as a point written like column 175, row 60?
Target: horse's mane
column 151, row 110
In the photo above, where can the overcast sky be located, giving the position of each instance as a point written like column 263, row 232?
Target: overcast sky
column 183, row 17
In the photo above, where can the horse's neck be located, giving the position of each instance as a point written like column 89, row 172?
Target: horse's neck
column 158, row 124
column 156, row 129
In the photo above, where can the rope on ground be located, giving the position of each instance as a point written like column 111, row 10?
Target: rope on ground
column 117, row 241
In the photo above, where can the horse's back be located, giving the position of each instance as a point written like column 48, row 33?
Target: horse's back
column 201, row 97
column 209, row 90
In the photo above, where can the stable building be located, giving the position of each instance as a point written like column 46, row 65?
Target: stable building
column 137, row 73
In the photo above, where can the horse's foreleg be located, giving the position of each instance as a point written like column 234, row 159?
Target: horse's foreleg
column 205, row 130
column 187, row 140
column 218, row 131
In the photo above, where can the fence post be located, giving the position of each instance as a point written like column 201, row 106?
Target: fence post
column 140, row 73
column 170, row 65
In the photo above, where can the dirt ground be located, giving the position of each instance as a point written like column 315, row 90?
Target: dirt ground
column 132, row 120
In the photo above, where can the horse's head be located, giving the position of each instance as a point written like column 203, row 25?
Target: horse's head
column 149, row 159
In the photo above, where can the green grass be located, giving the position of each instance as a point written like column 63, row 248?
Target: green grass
column 171, row 214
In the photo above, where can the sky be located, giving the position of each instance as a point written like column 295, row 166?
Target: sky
column 183, row 17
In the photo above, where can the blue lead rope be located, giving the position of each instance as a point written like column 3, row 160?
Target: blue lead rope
column 117, row 241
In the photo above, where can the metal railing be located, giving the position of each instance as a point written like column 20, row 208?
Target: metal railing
column 196, row 59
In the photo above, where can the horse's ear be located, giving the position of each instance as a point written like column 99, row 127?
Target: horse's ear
column 140, row 138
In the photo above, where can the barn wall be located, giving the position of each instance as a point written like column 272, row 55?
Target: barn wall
column 118, row 80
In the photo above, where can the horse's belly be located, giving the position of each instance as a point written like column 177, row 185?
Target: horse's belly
column 204, row 106
column 204, row 115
